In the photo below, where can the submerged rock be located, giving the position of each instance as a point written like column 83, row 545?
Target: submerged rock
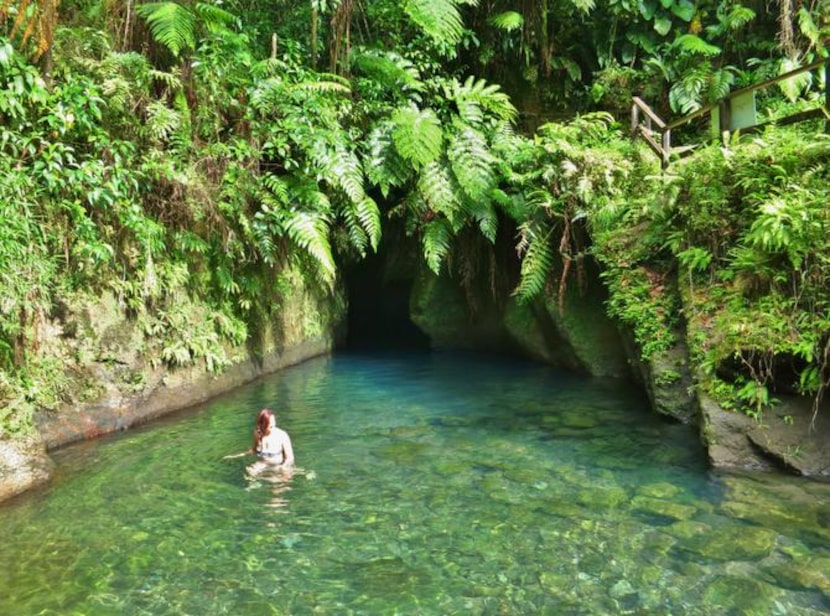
column 733, row 543
column 740, row 595
column 810, row 573
column 662, row 507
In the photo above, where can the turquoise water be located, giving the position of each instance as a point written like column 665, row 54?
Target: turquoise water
column 428, row 484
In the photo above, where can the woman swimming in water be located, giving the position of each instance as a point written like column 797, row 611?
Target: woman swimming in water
column 271, row 444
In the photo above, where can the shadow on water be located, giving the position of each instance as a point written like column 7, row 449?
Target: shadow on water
column 428, row 484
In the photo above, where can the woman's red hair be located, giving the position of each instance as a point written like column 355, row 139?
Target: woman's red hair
column 263, row 422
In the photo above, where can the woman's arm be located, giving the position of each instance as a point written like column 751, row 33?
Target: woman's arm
column 248, row 452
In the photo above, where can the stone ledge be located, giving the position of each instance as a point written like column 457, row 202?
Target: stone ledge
column 166, row 392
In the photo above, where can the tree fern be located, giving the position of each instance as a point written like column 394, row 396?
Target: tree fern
column 171, row 24
column 417, row 135
column 436, row 241
column 439, row 19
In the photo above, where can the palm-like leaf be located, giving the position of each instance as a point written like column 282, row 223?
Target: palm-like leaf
column 693, row 44
column 213, row 17
column 389, row 70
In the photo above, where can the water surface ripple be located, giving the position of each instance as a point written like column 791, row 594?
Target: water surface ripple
column 429, row 484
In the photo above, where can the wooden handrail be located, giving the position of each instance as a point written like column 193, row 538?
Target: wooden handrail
column 647, row 110
column 745, row 90
column 662, row 147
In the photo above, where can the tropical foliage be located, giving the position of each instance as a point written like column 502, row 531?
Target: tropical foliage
column 193, row 158
column 745, row 249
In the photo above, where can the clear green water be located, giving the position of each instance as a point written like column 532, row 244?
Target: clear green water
column 433, row 484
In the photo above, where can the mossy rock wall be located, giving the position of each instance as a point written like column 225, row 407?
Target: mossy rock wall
column 580, row 338
column 441, row 309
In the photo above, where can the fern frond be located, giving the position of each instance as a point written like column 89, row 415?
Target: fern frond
column 383, row 165
column 213, row 17
column 436, row 188
column 368, row 213
column 262, row 232
column 417, row 135
column 171, row 24
column 435, row 242
column 310, row 232
column 720, row 82
column 117, row 91
column 305, row 192
column 693, row 44
column 439, row 19
column 358, row 239
column 189, row 242
column 388, row 69
column 162, row 121
column 488, row 97
column 340, row 167
column 276, row 186
column 471, row 162
column 483, row 212
column 537, row 262
column 172, row 81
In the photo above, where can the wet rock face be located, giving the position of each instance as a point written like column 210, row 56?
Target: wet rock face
column 23, row 465
column 790, row 437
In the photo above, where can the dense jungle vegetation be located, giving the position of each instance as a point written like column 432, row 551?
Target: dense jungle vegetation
column 189, row 157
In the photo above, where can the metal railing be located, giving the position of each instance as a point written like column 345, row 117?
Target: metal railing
column 734, row 112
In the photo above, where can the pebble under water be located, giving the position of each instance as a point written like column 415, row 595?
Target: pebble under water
column 427, row 484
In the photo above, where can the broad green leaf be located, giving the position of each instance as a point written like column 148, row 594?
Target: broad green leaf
column 662, row 25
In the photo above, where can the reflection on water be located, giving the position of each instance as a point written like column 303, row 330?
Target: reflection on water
column 426, row 484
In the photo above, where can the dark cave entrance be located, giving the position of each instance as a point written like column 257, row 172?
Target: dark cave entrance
column 379, row 289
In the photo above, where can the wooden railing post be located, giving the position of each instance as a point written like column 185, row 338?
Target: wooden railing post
column 666, row 147
column 635, row 118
